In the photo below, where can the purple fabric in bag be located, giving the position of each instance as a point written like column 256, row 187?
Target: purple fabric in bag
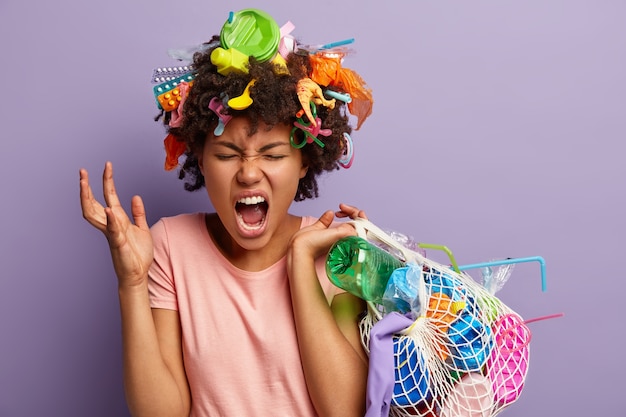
column 380, row 378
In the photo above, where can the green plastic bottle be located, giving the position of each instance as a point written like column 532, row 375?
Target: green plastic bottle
column 360, row 267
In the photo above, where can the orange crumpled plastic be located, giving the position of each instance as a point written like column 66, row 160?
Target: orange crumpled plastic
column 442, row 311
column 327, row 70
column 173, row 150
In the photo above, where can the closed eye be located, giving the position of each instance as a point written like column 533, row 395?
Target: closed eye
column 273, row 157
column 226, row 157
column 266, row 157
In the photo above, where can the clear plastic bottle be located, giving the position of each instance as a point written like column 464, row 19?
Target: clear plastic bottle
column 360, row 267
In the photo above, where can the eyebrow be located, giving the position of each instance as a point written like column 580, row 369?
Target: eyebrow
column 264, row 148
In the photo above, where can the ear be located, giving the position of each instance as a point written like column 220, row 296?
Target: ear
column 303, row 170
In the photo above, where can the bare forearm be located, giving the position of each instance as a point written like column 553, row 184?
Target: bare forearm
column 336, row 371
column 151, row 388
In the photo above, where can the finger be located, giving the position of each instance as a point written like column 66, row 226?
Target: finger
column 319, row 236
column 350, row 211
column 92, row 210
column 139, row 213
column 325, row 220
column 114, row 234
column 85, row 190
column 108, row 186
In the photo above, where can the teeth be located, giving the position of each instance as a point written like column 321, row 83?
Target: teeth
column 247, row 226
column 251, row 200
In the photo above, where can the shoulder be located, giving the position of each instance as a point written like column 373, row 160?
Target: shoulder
column 179, row 221
column 307, row 221
column 168, row 228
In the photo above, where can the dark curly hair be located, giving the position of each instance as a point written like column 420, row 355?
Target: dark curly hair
column 274, row 102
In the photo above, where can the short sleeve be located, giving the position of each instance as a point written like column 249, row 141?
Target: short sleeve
column 161, row 283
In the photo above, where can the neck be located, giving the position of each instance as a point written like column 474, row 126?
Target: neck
column 257, row 259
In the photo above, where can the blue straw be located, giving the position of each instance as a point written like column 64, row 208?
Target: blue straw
column 339, row 96
column 539, row 259
column 338, row 43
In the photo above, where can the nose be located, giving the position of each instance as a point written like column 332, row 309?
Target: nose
column 249, row 170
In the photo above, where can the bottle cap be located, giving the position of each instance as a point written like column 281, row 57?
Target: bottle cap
column 252, row 32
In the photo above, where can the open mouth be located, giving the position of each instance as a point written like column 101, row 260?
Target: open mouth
column 251, row 212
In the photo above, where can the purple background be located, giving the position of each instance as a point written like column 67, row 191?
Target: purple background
column 497, row 130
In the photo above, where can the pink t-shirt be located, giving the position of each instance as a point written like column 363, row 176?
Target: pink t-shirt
column 239, row 340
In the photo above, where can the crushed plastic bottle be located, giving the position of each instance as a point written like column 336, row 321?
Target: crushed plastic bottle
column 360, row 267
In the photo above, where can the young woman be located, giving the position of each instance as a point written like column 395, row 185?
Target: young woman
column 231, row 313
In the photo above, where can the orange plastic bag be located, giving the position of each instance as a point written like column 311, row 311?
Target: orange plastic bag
column 327, row 70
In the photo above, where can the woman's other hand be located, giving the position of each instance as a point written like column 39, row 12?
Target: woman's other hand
column 317, row 238
column 352, row 212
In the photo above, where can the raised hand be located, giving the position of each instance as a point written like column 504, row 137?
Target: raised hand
column 130, row 244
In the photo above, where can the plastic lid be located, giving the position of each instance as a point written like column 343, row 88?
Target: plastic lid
column 253, row 32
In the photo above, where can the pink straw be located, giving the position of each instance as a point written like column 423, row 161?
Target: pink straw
column 551, row 316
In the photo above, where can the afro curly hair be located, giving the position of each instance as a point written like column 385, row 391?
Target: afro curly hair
column 275, row 102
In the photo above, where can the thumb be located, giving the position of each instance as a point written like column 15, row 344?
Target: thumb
column 325, row 220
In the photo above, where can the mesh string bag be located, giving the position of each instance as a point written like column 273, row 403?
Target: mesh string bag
column 455, row 350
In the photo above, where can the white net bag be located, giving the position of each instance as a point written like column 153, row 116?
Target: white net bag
column 455, row 349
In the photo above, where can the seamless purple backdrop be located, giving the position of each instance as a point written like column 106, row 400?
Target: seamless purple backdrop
column 497, row 130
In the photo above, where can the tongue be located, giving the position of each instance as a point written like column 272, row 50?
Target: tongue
column 251, row 214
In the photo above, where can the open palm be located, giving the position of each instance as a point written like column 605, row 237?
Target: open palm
column 130, row 243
